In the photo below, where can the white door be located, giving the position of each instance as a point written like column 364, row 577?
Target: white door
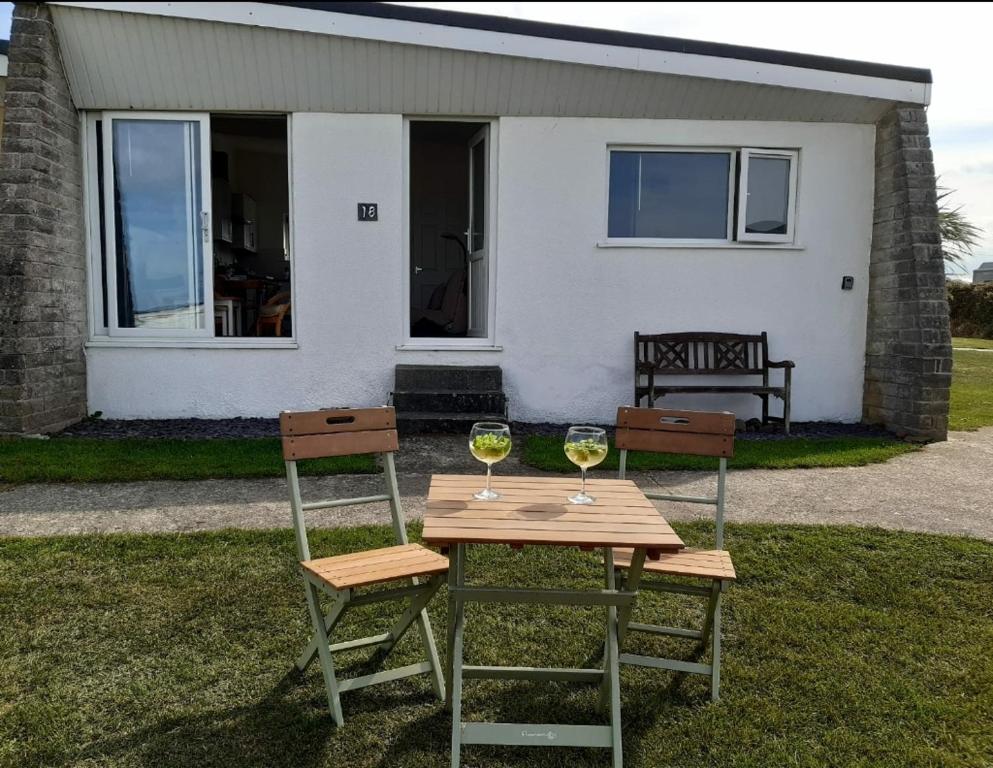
column 156, row 170
column 477, row 237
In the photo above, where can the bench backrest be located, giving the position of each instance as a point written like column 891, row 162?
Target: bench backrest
column 340, row 432
column 701, row 353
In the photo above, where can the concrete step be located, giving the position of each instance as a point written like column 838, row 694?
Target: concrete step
column 448, row 378
column 441, row 423
column 450, row 401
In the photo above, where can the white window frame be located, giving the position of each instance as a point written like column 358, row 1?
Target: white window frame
column 759, row 237
column 202, row 119
column 97, row 260
column 649, row 241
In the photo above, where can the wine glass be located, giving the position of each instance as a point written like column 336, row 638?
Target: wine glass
column 585, row 447
column 489, row 442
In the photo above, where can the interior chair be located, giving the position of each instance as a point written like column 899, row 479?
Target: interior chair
column 227, row 309
column 360, row 578
column 447, row 310
column 697, row 433
column 272, row 312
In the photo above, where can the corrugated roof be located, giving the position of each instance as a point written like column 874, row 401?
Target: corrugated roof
column 618, row 38
column 120, row 60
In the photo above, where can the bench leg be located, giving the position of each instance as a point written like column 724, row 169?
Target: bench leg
column 765, row 409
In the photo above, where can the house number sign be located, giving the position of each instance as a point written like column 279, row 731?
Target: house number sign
column 368, row 211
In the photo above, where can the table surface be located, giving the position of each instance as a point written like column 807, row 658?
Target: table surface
column 536, row 510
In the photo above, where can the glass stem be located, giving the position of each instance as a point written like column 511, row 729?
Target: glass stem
column 583, row 471
column 489, row 467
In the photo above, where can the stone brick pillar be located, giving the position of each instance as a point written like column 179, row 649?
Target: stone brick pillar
column 42, row 249
column 908, row 345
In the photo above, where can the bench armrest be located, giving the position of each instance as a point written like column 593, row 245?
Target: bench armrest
column 780, row 364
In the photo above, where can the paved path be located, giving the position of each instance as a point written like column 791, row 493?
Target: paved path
column 946, row 488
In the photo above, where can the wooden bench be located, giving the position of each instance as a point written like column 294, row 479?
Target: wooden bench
column 709, row 354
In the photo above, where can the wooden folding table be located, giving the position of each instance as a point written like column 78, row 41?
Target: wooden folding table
column 535, row 511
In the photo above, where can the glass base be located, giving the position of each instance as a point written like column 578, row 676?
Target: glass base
column 582, row 498
column 485, row 495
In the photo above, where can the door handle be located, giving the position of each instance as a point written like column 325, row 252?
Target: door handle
column 418, row 270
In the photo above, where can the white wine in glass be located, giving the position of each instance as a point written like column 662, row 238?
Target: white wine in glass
column 585, row 447
column 489, row 442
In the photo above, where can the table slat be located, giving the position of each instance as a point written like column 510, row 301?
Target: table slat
column 532, row 510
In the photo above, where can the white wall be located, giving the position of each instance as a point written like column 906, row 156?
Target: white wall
column 566, row 309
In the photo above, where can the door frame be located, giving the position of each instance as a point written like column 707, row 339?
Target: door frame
column 487, row 342
column 203, row 228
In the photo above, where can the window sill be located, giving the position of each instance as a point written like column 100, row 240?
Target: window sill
column 216, row 343
column 670, row 245
column 448, row 348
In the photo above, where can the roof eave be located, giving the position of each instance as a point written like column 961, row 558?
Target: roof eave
column 399, row 26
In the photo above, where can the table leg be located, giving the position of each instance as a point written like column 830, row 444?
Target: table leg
column 454, row 580
column 454, row 688
column 611, row 667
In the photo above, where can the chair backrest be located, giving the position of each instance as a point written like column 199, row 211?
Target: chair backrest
column 453, row 306
column 283, row 297
column 698, row 433
column 340, row 432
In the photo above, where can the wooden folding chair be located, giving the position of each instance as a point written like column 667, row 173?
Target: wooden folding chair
column 345, row 432
column 702, row 434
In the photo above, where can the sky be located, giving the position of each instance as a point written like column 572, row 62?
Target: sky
column 951, row 39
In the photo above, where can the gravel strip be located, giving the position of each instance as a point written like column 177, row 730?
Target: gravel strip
column 208, row 429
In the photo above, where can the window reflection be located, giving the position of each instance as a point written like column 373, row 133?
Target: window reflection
column 768, row 195
column 157, row 200
column 674, row 195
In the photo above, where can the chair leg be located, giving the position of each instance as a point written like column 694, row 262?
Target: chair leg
column 310, row 652
column 427, row 640
column 417, row 612
column 708, row 620
column 715, row 663
column 324, row 653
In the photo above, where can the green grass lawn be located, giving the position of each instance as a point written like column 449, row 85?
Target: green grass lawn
column 960, row 341
column 545, row 453
column 971, row 403
column 69, row 459
column 842, row 647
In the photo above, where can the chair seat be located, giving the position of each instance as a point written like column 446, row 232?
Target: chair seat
column 376, row 566
column 714, row 564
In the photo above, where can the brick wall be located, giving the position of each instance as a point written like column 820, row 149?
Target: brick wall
column 42, row 251
column 908, row 345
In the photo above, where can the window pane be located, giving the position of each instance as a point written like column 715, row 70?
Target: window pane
column 768, row 195
column 675, row 195
column 157, row 204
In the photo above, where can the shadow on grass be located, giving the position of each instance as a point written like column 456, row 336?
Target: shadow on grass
column 274, row 731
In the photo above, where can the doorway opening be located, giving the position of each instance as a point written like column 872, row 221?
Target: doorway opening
column 449, row 174
column 251, row 221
